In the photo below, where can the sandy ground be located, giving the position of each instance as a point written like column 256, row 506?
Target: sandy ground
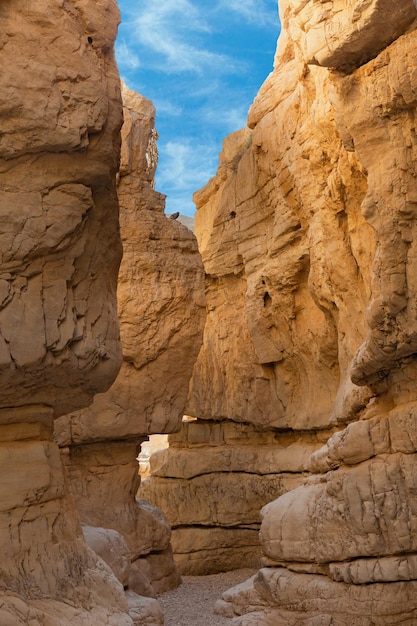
column 192, row 603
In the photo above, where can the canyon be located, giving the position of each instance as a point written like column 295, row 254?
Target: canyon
column 285, row 331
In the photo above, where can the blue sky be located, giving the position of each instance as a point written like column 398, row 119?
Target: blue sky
column 201, row 62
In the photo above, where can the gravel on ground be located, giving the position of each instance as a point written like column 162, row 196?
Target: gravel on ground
column 192, row 603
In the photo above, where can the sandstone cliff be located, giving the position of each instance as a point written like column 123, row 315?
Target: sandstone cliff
column 60, row 250
column 161, row 311
column 307, row 238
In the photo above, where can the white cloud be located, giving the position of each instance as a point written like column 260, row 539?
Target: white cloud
column 169, row 30
column 226, row 117
column 184, row 167
column 127, row 59
column 186, row 164
column 167, row 108
column 253, row 11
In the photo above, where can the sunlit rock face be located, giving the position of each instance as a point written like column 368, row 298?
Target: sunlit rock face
column 60, row 250
column 307, row 234
column 161, row 308
column 346, row 34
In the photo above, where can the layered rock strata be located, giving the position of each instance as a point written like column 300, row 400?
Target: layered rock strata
column 161, row 309
column 59, row 340
column 212, row 482
column 307, row 234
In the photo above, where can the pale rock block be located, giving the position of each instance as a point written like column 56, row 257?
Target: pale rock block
column 365, row 510
column 365, row 571
column 104, row 480
column 16, row 611
column 139, row 581
column 144, row 611
column 62, row 110
column 47, row 572
column 347, row 35
column 265, row 459
column 110, row 546
column 158, row 568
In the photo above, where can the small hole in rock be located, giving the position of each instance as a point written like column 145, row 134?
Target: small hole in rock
column 267, row 299
column 232, row 215
column 90, row 39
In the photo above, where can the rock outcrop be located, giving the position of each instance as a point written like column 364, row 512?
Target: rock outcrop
column 161, row 311
column 307, row 234
column 59, row 340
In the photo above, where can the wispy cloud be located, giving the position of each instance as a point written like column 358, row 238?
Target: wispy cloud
column 225, row 118
column 201, row 62
column 170, row 31
column 185, row 164
column 253, row 11
column 127, row 58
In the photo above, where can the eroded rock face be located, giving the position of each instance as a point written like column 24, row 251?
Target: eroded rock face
column 59, row 149
column 60, row 249
column 161, row 309
column 161, row 301
column 307, row 234
column 212, row 482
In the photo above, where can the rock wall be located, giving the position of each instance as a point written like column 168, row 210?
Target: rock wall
column 212, row 482
column 59, row 340
column 161, row 310
column 307, row 234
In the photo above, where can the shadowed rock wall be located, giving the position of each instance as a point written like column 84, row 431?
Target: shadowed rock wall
column 59, row 340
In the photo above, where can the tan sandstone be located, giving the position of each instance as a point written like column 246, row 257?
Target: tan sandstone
column 349, row 529
column 307, row 234
column 59, row 339
column 161, row 311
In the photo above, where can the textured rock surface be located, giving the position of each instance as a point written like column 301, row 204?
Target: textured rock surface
column 212, row 482
column 311, row 600
column 307, row 234
column 161, row 309
column 61, row 113
column 160, row 298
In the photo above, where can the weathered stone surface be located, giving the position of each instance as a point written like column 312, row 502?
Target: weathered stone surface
column 61, row 114
column 347, row 35
column 308, row 239
column 110, row 546
column 161, row 310
column 200, row 551
column 160, row 298
column 159, row 569
column 144, row 611
column 283, row 244
column 193, row 480
column 311, row 600
column 367, row 510
column 59, row 148
column 47, row 573
column 104, row 481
